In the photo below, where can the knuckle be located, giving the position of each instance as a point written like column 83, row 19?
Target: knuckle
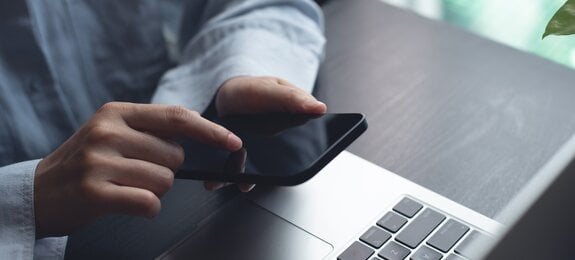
column 112, row 106
column 218, row 135
column 88, row 160
column 179, row 115
column 276, row 81
column 102, row 133
column 293, row 100
column 293, row 94
column 285, row 83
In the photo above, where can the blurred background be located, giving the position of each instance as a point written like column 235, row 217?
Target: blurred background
column 516, row 23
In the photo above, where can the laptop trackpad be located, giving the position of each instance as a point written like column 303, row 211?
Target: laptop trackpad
column 244, row 230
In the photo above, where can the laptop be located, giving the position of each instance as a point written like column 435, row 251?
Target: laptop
column 354, row 209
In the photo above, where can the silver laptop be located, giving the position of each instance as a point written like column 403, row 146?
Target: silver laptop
column 354, row 209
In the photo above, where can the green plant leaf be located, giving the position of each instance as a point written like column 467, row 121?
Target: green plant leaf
column 563, row 22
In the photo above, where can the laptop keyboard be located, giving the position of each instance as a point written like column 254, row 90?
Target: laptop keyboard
column 413, row 231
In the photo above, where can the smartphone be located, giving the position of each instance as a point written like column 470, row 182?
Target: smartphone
column 278, row 149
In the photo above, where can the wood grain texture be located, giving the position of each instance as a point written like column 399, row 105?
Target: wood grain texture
column 466, row 117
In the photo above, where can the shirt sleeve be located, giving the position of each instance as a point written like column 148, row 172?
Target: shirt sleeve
column 281, row 38
column 17, row 223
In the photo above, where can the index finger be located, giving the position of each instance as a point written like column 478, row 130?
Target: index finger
column 175, row 121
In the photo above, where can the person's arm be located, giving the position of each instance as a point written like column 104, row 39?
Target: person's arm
column 17, row 224
column 282, row 39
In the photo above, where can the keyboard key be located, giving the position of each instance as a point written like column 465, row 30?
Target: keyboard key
column 465, row 248
column 375, row 258
column 357, row 251
column 454, row 257
column 414, row 233
column 394, row 251
column 392, row 222
column 375, row 237
column 408, row 207
column 448, row 235
column 426, row 253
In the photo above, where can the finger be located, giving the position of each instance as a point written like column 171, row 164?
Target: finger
column 297, row 100
column 264, row 95
column 174, row 121
column 130, row 201
column 129, row 143
column 212, row 186
column 236, row 162
column 244, row 187
column 146, row 147
column 141, row 174
column 284, row 98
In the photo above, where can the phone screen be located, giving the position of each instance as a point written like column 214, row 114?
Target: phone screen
column 284, row 149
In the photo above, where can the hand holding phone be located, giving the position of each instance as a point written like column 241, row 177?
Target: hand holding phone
column 279, row 149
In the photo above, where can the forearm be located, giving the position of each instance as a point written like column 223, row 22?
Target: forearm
column 249, row 38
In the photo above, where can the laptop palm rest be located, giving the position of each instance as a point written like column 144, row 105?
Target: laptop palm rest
column 244, row 230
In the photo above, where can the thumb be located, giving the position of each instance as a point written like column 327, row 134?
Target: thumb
column 250, row 95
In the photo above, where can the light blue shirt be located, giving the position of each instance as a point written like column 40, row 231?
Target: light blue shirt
column 60, row 60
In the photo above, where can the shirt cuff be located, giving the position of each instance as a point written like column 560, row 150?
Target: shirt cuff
column 17, row 210
column 17, row 222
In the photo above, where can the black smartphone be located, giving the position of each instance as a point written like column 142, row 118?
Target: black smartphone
column 278, row 149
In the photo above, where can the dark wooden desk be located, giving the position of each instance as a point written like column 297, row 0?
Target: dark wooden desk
column 463, row 116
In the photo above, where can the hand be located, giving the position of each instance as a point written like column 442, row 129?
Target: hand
column 253, row 95
column 120, row 161
column 256, row 95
